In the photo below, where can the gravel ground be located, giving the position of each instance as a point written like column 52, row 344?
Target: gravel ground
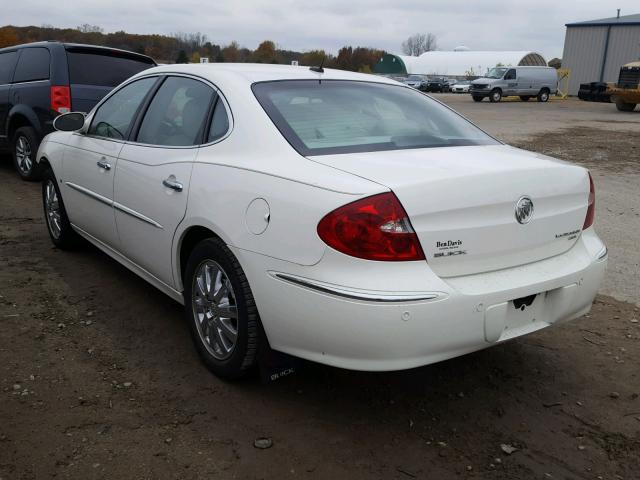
column 98, row 378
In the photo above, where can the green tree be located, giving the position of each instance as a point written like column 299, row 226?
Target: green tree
column 314, row 58
column 231, row 52
column 344, row 60
column 265, row 53
column 182, row 57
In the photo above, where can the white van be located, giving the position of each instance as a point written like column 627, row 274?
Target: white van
column 523, row 82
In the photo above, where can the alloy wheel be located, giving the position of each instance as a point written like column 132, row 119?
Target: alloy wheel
column 52, row 209
column 214, row 309
column 23, row 154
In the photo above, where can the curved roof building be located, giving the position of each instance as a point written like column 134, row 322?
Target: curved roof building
column 456, row 63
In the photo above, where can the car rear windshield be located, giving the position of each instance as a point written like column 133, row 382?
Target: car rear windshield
column 336, row 116
column 106, row 69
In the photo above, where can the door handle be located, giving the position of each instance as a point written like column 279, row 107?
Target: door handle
column 172, row 183
column 102, row 163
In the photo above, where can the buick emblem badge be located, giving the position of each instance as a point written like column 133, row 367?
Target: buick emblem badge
column 524, row 210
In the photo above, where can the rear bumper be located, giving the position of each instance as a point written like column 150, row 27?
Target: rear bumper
column 386, row 316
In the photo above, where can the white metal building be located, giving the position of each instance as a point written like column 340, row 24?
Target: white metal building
column 595, row 50
column 457, row 63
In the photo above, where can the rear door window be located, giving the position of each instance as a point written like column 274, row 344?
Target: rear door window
column 114, row 117
column 219, row 123
column 7, row 66
column 103, row 69
column 177, row 113
column 33, row 64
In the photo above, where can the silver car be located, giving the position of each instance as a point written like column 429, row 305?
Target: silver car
column 416, row 81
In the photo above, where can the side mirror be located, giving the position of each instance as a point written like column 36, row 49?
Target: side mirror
column 69, row 122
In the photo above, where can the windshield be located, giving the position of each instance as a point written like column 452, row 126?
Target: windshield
column 335, row 116
column 413, row 78
column 497, row 72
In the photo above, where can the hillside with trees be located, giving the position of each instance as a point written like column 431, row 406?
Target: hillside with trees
column 190, row 47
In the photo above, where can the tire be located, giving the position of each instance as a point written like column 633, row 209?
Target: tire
column 495, row 96
column 625, row 106
column 222, row 354
column 525, row 98
column 62, row 234
column 476, row 98
column 543, row 95
column 24, row 148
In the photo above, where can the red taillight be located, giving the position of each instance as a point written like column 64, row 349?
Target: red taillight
column 61, row 99
column 374, row 228
column 591, row 209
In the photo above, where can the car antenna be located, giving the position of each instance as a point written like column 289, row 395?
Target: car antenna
column 319, row 69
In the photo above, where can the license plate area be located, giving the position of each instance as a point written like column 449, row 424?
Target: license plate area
column 524, row 302
column 514, row 318
column 522, row 312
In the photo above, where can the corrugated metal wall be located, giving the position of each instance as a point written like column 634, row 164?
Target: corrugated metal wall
column 584, row 52
column 624, row 47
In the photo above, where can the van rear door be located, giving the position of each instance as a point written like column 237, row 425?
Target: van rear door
column 94, row 72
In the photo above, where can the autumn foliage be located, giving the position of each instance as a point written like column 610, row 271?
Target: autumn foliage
column 190, row 47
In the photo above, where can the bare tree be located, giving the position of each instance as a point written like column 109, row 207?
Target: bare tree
column 86, row 28
column 419, row 43
column 190, row 41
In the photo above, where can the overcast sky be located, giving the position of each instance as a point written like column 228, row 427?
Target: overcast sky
column 309, row 24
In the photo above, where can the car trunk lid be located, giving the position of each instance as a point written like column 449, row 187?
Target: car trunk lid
column 462, row 202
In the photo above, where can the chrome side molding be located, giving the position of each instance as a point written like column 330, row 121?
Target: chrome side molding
column 355, row 294
column 138, row 215
column 603, row 253
column 116, row 205
column 90, row 193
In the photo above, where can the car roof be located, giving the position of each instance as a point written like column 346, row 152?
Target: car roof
column 81, row 46
column 257, row 72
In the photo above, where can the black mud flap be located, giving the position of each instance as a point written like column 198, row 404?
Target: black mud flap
column 276, row 365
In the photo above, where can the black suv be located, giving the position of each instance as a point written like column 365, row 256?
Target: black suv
column 438, row 85
column 39, row 81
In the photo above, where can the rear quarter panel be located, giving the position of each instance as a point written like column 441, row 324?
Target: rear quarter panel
column 219, row 199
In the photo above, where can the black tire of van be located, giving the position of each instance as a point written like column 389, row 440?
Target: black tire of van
column 525, row 98
column 477, row 98
column 543, row 95
column 24, row 149
column 495, row 95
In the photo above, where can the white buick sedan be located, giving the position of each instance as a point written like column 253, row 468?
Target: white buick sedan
column 339, row 217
